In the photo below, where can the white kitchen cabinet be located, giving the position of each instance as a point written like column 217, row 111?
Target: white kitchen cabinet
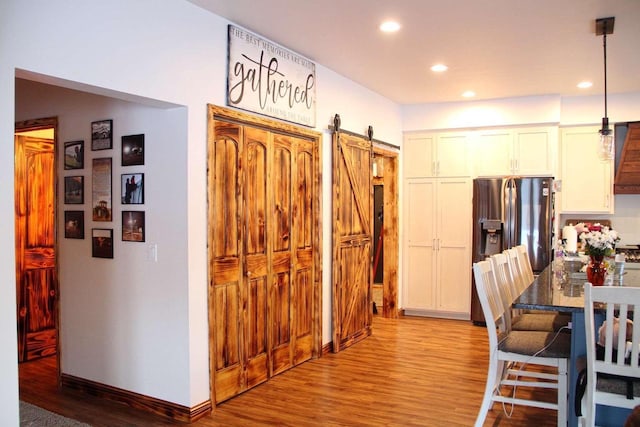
column 437, row 247
column 517, row 151
column 438, row 154
column 586, row 180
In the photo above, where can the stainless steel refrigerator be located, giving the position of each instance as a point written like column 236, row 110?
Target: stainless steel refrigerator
column 508, row 212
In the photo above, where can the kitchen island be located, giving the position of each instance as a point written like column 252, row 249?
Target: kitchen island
column 557, row 289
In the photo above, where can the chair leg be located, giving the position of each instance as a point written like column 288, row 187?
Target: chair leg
column 493, row 378
column 563, row 391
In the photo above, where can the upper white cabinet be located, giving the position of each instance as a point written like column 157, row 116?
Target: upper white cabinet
column 587, row 181
column 518, row 151
column 444, row 154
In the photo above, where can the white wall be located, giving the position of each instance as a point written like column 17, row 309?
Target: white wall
column 113, row 309
column 151, row 55
column 495, row 112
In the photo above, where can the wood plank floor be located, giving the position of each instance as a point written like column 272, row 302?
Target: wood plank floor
column 410, row 372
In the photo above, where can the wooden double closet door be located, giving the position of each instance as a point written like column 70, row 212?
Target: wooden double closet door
column 263, row 219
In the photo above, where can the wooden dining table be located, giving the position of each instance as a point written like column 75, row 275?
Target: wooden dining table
column 558, row 288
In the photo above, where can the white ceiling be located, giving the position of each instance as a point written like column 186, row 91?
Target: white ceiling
column 498, row 48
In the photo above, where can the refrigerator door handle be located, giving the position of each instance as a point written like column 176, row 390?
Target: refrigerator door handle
column 514, row 214
column 506, row 212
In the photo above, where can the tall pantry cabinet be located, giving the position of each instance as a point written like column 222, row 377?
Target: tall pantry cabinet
column 437, row 218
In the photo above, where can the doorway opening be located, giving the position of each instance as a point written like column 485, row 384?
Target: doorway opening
column 35, row 238
column 378, row 246
column 385, row 232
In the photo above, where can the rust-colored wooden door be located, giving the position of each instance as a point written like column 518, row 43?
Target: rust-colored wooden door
column 238, row 258
column 304, row 247
column 35, row 246
column 352, row 239
column 261, row 254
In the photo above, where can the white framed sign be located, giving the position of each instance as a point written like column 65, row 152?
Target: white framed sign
column 268, row 79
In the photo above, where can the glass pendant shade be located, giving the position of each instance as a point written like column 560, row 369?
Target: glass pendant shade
column 606, row 146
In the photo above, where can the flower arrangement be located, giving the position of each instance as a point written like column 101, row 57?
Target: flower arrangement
column 599, row 240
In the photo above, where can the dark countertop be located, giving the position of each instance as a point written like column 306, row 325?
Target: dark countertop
column 557, row 290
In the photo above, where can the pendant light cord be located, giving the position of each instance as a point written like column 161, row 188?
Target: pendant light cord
column 604, row 44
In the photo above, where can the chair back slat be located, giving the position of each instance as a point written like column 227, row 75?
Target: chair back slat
column 491, row 300
column 620, row 304
column 504, row 277
column 525, row 263
column 516, row 270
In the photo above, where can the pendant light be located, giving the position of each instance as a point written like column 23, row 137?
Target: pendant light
column 604, row 26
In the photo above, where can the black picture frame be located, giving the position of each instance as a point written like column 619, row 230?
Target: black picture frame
column 74, row 155
column 133, row 226
column 101, row 135
column 132, row 188
column 102, row 189
column 74, row 190
column 74, row 224
column 133, row 150
column 102, row 242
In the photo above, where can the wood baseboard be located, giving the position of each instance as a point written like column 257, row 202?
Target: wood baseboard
column 138, row 401
column 327, row 348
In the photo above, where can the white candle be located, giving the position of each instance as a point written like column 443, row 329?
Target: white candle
column 570, row 235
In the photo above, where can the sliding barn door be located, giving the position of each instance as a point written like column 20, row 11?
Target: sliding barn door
column 35, row 247
column 352, row 239
column 262, row 254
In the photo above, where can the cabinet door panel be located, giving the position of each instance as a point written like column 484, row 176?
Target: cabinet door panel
column 421, row 278
column 454, row 231
column 533, row 151
column 492, row 153
column 420, row 237
column 452, row 155
column 586, row 180
column 454, row 279
column 454, row 213
column 417, row 154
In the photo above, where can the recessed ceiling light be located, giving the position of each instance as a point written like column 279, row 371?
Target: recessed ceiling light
column 468, row 94
column 439, row 68
column 389, row 26
column 585, row 85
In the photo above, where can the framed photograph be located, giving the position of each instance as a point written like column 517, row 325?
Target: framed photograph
column 74, row 190
column 102, row 243
column 132, row 188
column 101, row 135
column 133, row 226
column 101, row 189
column 74, row 224
column 133, row 150
column 74, row 155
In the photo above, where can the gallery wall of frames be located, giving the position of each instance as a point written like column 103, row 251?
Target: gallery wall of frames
column 90, row 187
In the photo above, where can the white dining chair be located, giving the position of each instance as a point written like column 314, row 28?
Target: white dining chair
column 523, row 277
column 525, row 263
column 613, row 368
column 520, row 280
column 549, row 321
column 511, row 354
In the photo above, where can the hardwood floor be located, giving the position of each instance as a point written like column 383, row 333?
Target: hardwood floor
column 410, row 372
